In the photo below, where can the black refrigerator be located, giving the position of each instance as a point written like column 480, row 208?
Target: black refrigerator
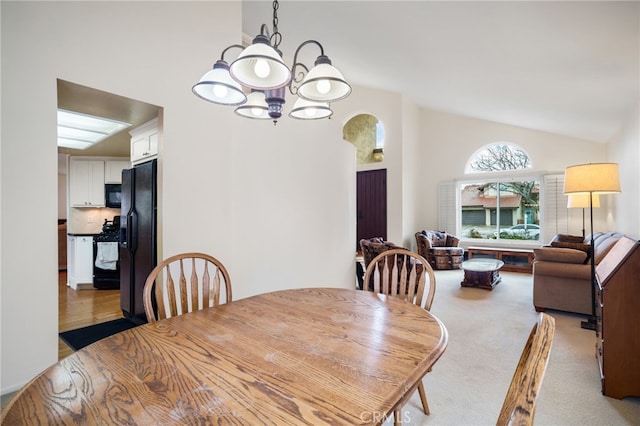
column 137, row 238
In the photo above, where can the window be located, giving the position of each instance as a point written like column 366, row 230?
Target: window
column 500, row 206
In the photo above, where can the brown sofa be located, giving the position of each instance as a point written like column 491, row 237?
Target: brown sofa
column 562, row 272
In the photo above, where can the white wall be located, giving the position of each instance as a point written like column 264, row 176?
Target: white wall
column 624, row 149
column 212, row 198
column 292, row 212
column 448, row 141
column 412, row 165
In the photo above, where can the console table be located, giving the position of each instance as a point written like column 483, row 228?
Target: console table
column 515, row 260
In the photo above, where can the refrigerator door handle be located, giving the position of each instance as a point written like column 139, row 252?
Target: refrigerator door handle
column 132, row 232
column 125, row 226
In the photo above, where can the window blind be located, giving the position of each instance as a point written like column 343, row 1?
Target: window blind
column 447, row 208
column 555, row 215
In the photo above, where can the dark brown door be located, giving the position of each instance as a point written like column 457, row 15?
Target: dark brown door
column 371, row 205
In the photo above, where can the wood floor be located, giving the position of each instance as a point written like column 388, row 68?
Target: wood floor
column 82, row 308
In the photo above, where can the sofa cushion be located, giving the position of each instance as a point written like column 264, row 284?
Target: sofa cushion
column 566, row 238
column 569, row 271
column 578, row 246
column 559, row 255
column 603, row 248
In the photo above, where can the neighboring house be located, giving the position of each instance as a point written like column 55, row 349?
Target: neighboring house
column 480, row 204
column 479, row 208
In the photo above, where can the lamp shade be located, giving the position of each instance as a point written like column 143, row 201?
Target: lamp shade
column 582, row 201
column 218, row 87
column 324, row 83
column 600, row 178
column 308, row 110
column 260, row 67
column 256, row 107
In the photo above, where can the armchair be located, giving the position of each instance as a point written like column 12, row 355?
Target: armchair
column 371, row 247
column 440, row 248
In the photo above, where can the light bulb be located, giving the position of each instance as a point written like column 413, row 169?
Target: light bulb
column 220, row 91
column 323, row 86
column 310, row 112
column 256, row 111
column 262, row 68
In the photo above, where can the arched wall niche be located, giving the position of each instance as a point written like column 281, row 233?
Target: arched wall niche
column 365, row 132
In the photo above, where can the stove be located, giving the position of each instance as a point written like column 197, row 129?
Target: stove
column 106, row 274
column 106, row 237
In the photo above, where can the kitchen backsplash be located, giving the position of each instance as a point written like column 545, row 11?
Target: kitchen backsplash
column 89, row 220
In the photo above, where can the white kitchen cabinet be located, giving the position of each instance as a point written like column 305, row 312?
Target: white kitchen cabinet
column 80, row 261
column 144, row 142
column 113, row 170
column 86, row 183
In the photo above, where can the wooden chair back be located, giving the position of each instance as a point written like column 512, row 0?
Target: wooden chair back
column 520, row 402
column 402, row 273
column 184, row 283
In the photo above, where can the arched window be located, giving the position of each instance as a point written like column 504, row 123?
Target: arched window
column 498, row 157
column 366, row 133
column 500, row 206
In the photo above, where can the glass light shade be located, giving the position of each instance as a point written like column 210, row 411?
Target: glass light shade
column 378, row 154
column 582, row 201
column 601, row 178
column 260, row 67
column 256, row 107
column 218, row 87
column 324, row 83
column 309, row 110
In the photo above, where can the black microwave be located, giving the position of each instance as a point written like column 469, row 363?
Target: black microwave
column 112, row 195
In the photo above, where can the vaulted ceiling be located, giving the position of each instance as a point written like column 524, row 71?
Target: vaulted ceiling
column 566, row 67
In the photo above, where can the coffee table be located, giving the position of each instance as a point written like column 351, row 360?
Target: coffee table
column 481, row 273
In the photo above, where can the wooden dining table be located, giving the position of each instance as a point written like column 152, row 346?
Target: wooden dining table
column 306, row 356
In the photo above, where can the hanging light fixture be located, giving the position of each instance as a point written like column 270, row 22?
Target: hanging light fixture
column 260, row 71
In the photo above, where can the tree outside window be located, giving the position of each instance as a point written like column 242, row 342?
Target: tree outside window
column 505, row 209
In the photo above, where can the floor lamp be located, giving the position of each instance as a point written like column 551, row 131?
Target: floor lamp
column 582, row 201
column 591, row 180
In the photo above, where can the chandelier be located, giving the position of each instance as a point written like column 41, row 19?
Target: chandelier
column 257, row 80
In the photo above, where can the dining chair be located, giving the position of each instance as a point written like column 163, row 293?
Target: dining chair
column 405, row 274
column 520, row 402
column 184, row 283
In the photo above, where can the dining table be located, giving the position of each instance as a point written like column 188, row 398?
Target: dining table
column 305, row 356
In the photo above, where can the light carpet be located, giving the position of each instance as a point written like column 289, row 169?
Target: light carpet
column 487, row 331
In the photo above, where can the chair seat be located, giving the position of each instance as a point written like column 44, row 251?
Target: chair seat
column 447, row 257
column 447, row 251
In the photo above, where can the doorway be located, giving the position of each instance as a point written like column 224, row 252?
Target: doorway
column 371, row 205
column 91, row 101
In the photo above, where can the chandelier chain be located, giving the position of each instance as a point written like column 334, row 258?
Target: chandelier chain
column 276, row 38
